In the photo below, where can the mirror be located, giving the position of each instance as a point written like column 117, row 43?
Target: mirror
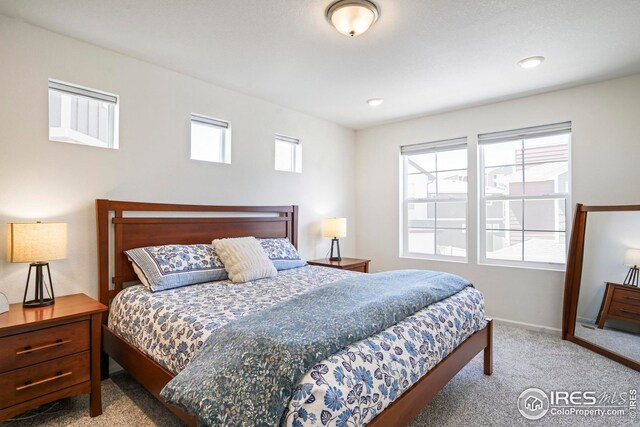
column 602, row 296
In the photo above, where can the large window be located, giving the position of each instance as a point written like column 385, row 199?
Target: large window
column 434, row 205
column 525, row 188
column 80, row 115
column 288, row 154
column 210, row 139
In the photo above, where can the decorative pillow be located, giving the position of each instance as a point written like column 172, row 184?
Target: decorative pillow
column 244, row 259
column 282, row 253
column 172, row 266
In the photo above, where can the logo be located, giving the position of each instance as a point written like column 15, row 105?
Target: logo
column 533, row 403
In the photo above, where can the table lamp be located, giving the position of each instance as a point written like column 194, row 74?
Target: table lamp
column 37, row 243
column 632, row 260
column 334, row 228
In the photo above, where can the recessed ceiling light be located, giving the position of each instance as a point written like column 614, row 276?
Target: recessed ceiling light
column 374, row 102
column 352, row 17
column 531, row 62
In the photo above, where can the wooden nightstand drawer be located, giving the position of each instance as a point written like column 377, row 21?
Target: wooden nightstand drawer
column 620, row 302
column 361, row 268
column 631, row 312
column 626, row 296
column 17, row 351
column 37, row 380
column 351, row 264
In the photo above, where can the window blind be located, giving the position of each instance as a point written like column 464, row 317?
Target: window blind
column 287, row 139
column 524, row 133
column 76, row 90
column 432, row 147
column 209, row 121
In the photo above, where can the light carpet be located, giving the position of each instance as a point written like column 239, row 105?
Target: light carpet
column 522, row 359
column 625, row 343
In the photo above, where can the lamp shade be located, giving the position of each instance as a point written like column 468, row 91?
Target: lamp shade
column 632, row 257
column 334, row 227
column 35, row 242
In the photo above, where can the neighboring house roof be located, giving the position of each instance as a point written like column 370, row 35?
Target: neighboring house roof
column 533, row 173
column 539, row 250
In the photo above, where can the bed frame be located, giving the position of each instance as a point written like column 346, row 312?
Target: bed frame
column 123, row 225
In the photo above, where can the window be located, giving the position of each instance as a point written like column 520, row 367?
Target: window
column 210, row 139
column 80, row 115
column 288, row 154
column 525, row 185
column 434, row 201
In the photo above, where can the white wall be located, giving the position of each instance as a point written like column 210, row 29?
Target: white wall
column 605, row 154
column 52, row 181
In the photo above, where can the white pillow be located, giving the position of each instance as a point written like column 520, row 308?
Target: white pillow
column 244, row 259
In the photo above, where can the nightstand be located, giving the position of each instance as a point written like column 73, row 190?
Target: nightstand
column 50, row 353
column 620, row 302
column 352, row 264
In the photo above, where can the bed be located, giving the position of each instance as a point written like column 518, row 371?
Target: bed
column 155, row 359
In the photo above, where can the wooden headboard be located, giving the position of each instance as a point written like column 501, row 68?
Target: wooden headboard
column 134, row 230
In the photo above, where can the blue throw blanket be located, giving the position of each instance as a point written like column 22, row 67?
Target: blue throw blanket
column 246, row 371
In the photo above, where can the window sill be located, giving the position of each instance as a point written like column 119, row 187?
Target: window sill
column 288, row 171
column 527, row 266
column 210, row 161
column 457, row 260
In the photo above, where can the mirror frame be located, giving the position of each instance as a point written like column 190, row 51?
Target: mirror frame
column 573, row 278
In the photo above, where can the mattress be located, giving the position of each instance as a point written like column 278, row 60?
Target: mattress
column 350, row 387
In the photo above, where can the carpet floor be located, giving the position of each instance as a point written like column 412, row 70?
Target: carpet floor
column 621, row 342
column 522, row 359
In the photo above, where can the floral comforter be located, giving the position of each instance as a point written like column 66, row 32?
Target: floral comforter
column 350, row 387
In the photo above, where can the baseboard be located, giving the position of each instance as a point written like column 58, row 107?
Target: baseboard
column 581, row 319
column 528, row 326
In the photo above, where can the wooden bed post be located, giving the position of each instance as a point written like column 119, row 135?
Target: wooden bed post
column 488, row 350
column 102, row 229
column 294, row 226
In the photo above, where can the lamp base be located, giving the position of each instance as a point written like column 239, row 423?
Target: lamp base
column 335, row 242
column 40, row 287
column 38, row 303
column 632, row 277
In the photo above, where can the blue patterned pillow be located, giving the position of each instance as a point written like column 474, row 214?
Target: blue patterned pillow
column 173, row 266
column 282, row 253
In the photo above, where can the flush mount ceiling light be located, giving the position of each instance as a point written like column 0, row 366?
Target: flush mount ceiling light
column 531, row 62
column 374, row 102
column 352, row 17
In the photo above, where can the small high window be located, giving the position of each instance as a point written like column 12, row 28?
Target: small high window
column 288, row 154
column 80, row 115
column 210, row 139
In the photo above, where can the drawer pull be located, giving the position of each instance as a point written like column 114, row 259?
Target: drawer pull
column 29, row 383
column 630, row 312
column 29, row 349
column 632, row 298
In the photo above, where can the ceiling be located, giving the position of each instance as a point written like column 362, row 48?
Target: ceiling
column 422, row 56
